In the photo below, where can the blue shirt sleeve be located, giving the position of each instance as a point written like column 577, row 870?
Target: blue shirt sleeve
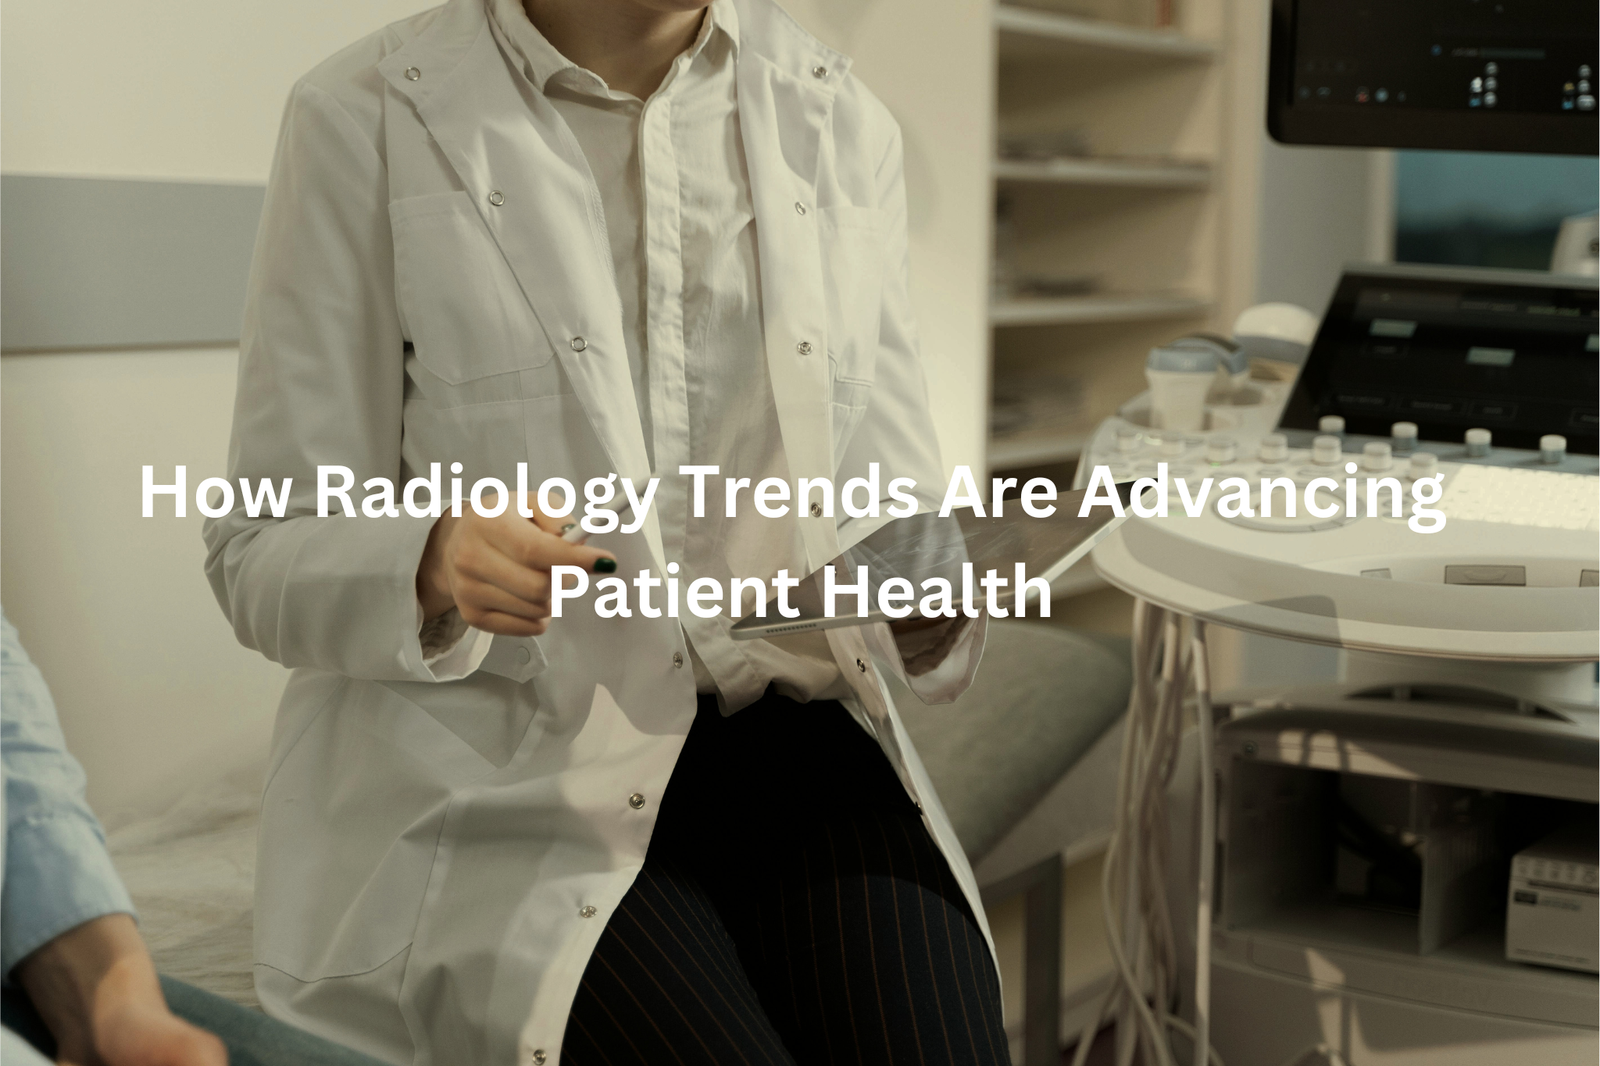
column 57, row 874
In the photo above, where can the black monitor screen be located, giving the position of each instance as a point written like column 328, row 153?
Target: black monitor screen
column 1474, row 75
column 1451, row 350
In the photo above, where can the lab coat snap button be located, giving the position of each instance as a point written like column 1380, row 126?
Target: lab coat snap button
column 819, row 72
column 496, row 198
column 816, row 510
column 636, row 800
column 677, row 660
column 579, row 344
column 861, row 665
column 804, row 347
column 412, row 74
column 524, row 655
column 538, row 1057
column 799, row 208
column 587, row 912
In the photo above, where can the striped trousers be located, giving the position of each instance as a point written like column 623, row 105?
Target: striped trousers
column 792, row 909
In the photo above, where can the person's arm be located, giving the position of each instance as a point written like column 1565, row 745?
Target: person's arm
column 66, row 927
column 936, row 660
column 97, row 991
column 322, row 381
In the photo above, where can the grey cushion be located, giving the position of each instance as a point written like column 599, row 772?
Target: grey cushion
column 1042, row 696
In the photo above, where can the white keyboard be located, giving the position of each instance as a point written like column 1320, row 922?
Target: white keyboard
column 1516, row 497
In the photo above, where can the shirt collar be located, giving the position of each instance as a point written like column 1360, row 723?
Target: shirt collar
column 543, row 62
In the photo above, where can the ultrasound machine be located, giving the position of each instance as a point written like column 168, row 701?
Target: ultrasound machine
column 1378, row 844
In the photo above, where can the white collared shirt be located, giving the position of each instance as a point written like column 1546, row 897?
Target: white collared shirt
column 680, row 229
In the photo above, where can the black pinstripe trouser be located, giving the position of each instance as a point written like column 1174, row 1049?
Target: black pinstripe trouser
column 793, row 908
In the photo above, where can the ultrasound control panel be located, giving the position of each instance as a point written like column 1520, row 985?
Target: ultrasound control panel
column 1552, row 490
column 1511, row 575
column 1481, row 358
column 1466, row 396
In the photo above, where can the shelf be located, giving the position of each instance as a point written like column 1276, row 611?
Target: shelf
column 1027, row 32
column 1037, row 448
column 1109, row 308
column 1372, row 952
column 1107, row 172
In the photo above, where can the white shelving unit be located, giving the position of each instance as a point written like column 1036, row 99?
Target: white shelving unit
column 1068, row 310
column 1027, row 31
column 1108, row 173
column 1116, row 181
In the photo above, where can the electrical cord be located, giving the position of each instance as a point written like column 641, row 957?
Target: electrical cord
column 1168, row 657
column 1208, row 848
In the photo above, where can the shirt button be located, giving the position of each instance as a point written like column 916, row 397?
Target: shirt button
column 495, row 197
column 799, row 208
column 524, row 655
column 804, row 347
column 412, row 74
column 819, row 71
column 861, row 665
column 636, row 800
column 579, row 344
column 587, row 912
column 677, row 660
column 816, row 510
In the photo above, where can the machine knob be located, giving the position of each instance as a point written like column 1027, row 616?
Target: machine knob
column 1127, row 439
column 1221, row 450
column 1376, row 456
column 1403, row 436
column 1330, row 424
column 1171, row 447
column 1478, row 442
column 1274, row 448
column 1423, row 464
column 1552, row 448
column 1326, row 451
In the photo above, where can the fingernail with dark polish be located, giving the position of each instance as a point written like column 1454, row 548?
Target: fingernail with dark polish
column 605, row 566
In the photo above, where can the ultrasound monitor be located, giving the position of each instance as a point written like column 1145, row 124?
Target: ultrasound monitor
column 1515, row 352
column 1466, row 75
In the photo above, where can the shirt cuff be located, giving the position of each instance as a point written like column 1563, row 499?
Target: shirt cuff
column 451, row 649
column 58, row 876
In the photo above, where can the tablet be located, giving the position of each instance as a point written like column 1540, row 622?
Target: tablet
column 926, row 549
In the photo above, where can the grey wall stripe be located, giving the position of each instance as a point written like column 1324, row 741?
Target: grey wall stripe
column 98, row 263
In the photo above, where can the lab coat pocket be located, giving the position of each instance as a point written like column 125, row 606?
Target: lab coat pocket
column 464, row 312
column 852, row 267
column 350, row 827
column 849, row 406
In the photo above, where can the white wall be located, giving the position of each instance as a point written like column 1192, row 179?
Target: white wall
column 151, row 686
column 187, row 89
column 1298, row 214
column 1320, row 209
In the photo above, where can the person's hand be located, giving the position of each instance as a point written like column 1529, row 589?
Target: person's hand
column 97, row 991
column 137, row 1033
column 496, row 571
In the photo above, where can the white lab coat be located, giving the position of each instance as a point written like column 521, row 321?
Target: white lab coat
column 429, row 847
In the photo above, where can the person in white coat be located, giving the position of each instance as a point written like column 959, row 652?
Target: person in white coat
column 649, row 238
